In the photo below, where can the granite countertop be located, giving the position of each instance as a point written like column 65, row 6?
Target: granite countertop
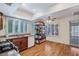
column 10, row 53
column 3, row 38
column 21, row 35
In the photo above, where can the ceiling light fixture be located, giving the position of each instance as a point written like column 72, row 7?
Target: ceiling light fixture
column 34, row 10
column 23, row 4
column 49, row 20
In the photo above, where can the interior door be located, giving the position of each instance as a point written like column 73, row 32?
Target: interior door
column 74, row 34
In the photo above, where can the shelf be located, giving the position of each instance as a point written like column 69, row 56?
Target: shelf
column 40, row 30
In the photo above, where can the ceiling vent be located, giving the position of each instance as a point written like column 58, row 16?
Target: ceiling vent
column 76, row 13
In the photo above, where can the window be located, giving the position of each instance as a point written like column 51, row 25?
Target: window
column 33, row 28
column 16, row 26
column 51, row 29
column 75, row 29
column 74, row 33
column 10, row 26
column 25, row 27
column 21, row 28
column 54, row 28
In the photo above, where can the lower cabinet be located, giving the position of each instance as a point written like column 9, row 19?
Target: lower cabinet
column 21, row 43
column 31, row 41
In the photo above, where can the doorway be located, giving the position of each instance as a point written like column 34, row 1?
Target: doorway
column 74, row 34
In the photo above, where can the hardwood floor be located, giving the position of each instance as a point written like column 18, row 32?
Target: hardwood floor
column 48, row 49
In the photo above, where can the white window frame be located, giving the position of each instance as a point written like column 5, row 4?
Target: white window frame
column 19, row 26
column 49, row 27
column 7, row 19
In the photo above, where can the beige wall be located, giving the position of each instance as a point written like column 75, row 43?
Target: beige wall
column 63, row 23
column 63, row 36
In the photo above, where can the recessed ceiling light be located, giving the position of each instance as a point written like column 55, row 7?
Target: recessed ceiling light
column 23, row 4
column 34, row 10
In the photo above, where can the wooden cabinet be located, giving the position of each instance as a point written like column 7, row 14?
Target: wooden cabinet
column 1, row 21
column 21, row 43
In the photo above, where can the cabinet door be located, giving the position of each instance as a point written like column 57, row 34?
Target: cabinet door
column 17, row 43
column 31, row 41
column 1, row 22
column 23, row 44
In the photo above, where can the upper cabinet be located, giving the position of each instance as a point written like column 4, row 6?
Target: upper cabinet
column 1, row 21
column 16, row 26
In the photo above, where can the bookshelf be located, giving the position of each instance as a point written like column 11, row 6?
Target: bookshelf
column 40, row 32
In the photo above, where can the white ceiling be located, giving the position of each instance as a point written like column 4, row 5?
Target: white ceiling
column 62, row 11
column 36, row 10
column 37, row 7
